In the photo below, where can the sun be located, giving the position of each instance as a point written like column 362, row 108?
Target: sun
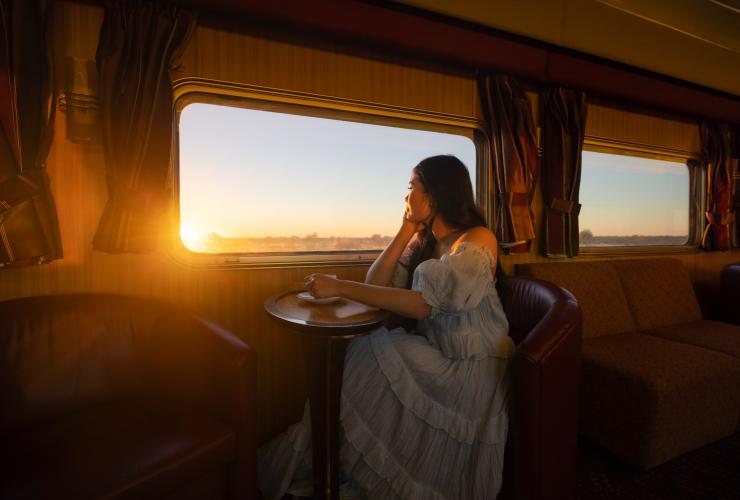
column 191, row 237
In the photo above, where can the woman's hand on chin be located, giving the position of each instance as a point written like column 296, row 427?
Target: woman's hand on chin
column 323, row 285
column 411, row 225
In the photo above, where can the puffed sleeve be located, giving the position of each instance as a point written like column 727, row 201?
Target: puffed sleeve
column 458, row 281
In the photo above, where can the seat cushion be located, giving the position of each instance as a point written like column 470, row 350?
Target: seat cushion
column 659, row 292
column 596, row 287
column 116, row 451
column 713, row 335
column 648, row 399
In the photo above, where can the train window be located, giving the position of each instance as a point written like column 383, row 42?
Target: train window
column 631, row 201
column 268, row 182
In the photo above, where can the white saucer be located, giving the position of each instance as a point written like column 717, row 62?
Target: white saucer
column 305, row 296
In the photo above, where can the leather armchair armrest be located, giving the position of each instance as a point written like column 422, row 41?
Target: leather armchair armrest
column 545, row 378
column 729, row 290
column 194, row 364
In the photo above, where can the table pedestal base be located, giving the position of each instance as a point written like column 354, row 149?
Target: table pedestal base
column 325, row 331
column 324, row 366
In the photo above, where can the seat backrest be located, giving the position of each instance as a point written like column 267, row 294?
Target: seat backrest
column 659, row 292
column 598, row 289
column 620, row 296
column 62, row 353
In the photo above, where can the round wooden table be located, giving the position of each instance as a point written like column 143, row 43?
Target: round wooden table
column 325, row 330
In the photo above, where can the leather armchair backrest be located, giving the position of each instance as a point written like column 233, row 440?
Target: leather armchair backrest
column 60, row 354
column 526, row 301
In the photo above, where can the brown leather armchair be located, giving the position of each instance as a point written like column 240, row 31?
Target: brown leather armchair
column 545, row 323
column 122, row 397
column 729, row 284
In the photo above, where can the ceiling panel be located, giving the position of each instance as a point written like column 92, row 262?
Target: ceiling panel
column 715, row 22
column 693, row 40
column 591, row 26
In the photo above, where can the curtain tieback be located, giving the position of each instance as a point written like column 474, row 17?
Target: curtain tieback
column 138, row 201
column 15, row 191
column 720, row 218
column 517, row 198
column 569, row 207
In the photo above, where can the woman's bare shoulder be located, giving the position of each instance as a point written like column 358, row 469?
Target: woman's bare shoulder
column 480, row 235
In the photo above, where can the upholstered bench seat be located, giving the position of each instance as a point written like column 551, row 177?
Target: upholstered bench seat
column 657, row 379
column 648, row 399
column 121, row 450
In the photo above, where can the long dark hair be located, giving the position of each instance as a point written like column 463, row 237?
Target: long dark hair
column 447, row 182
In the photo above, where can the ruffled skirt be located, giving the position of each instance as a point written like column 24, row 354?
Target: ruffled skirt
column 414, row 425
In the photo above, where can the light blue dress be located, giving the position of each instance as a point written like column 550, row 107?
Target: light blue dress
column 424, row 415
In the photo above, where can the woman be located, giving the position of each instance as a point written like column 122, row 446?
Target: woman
column 423, row 412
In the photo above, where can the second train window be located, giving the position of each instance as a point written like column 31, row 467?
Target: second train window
column 632, row 201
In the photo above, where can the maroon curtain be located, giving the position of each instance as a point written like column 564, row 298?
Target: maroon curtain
column 29, row 229
column 564, row 124
column 735, row 162
column 720, row 156
column 508, row 111
column 139, row 41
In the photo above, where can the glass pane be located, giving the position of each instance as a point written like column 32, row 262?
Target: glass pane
column 261, row 181
column 632, row 201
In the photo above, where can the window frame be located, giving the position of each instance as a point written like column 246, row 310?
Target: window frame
column 696, row 175
column 198, row 90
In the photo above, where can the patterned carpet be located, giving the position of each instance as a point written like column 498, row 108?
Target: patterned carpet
column 709, row 473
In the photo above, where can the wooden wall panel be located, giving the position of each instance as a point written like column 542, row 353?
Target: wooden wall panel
column 605, row 122
column 232, row 297
column 247, row 58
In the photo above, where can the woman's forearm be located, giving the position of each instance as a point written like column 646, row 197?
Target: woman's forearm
column 381, row 271
column 408, row 303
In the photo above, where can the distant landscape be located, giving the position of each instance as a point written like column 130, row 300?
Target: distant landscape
column 588, row 239
column 214, row 243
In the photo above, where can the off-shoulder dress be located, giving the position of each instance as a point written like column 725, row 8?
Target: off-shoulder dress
column 424, row 414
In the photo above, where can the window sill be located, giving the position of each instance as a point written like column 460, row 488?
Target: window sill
column 186, row 257
column 638, row 251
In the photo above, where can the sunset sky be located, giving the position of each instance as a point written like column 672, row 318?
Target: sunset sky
column 623, row 195
column 250, row 173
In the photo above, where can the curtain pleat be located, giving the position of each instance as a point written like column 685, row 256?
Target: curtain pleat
column 564, row 123
column 696, row 199
column 29, row 228
column 139, row 42
column 508, row 112
column 735, row 170
column 720, row 156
